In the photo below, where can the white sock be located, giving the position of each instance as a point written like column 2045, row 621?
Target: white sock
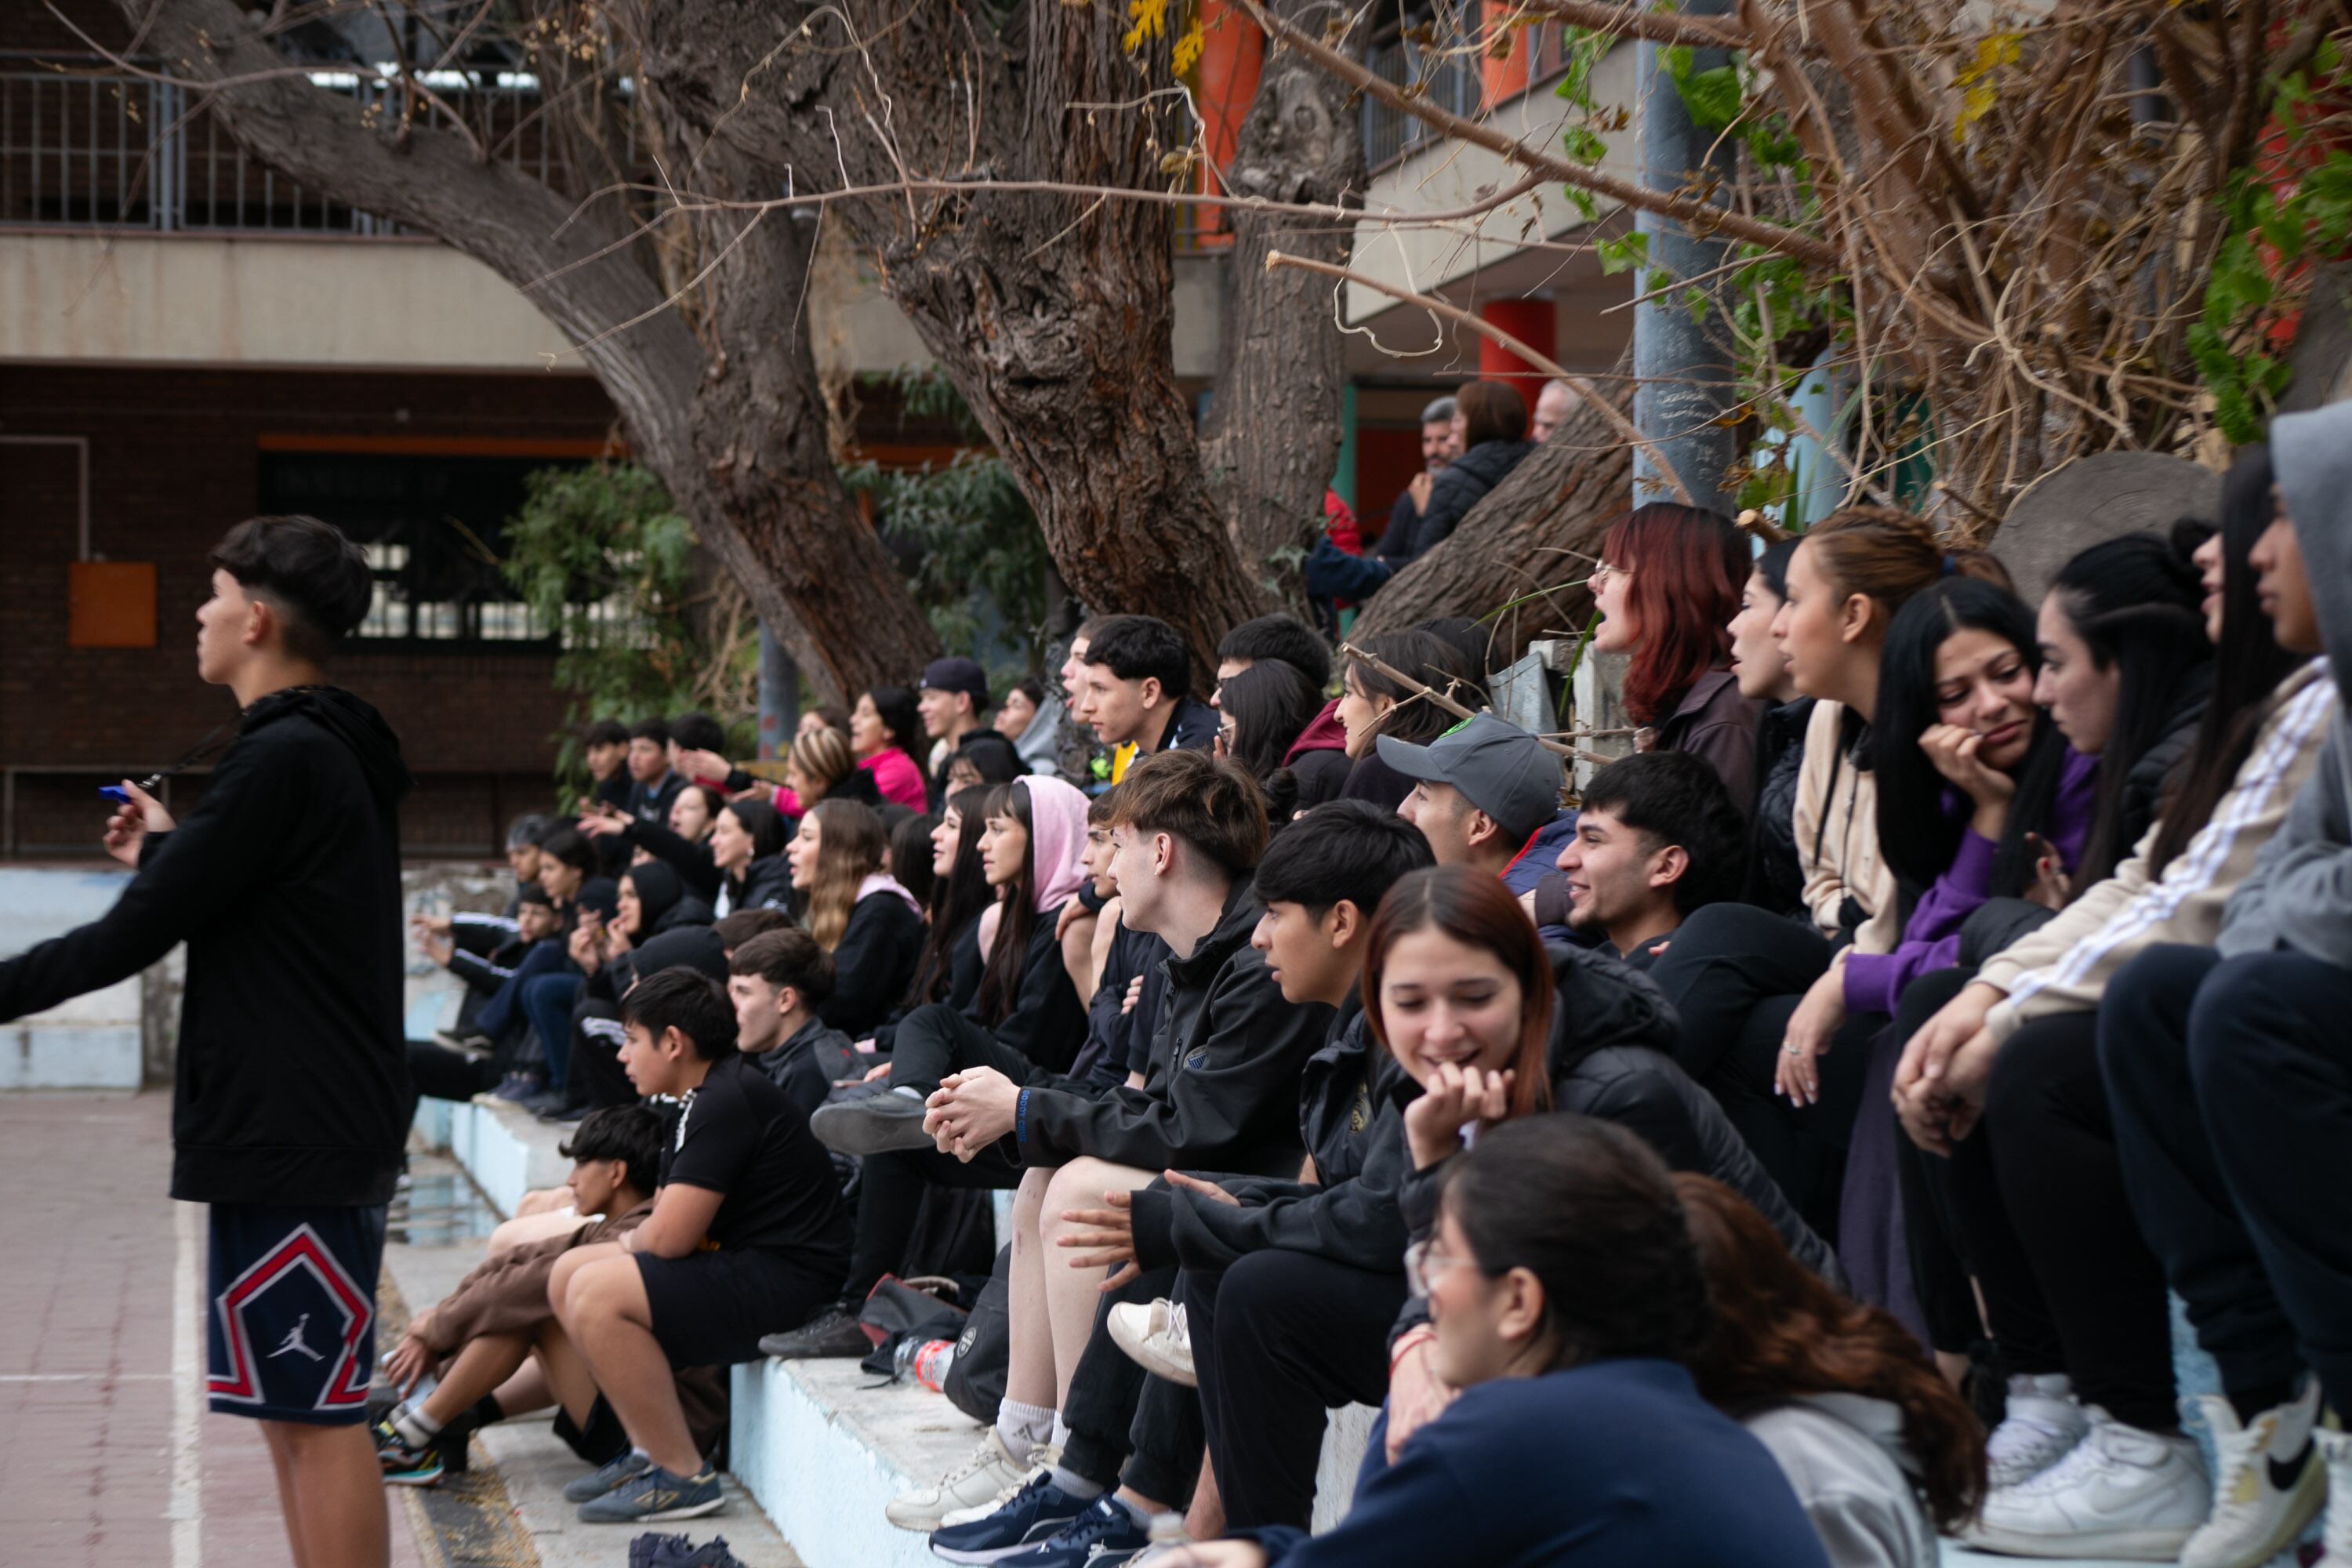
column 416, row 1429
column 1061, row 1437
column 1023, row 1428
column 1069, row 1483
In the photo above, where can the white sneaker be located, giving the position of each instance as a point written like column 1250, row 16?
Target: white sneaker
column 2122, row 1492
column 1044, row 1459
column 1156, row 1339
column 2255, row 1517
column 2043, row 1424
column 990, row 1470
column 2336, row 1536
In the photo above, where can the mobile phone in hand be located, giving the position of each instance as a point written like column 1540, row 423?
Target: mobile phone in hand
column 115, row 793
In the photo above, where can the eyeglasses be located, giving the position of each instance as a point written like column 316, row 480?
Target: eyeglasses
column 1423, row 1263
column 1603, row 572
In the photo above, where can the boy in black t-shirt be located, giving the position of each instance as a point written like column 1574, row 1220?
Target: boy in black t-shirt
column 747, row 1236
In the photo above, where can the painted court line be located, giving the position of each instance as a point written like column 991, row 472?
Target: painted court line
column 187, row 1511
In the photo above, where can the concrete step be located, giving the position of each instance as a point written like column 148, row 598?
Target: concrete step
column 90, row 1042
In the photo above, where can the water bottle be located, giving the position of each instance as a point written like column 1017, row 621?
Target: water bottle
column 927, row 1359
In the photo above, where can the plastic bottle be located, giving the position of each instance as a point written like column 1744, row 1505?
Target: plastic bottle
column 927, row 1359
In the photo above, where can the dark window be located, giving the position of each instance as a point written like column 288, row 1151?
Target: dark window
column 433, row 529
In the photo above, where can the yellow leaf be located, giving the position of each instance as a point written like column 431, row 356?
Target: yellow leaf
column 1146, row 19
column 1187, row 53
column 1978, row 94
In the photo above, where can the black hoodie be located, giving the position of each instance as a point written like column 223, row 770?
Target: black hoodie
column 285, row 883
column 1222, row 1093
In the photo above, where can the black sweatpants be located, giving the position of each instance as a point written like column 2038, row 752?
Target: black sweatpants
column 1302, row 1335
column 2232, row 1085
column 595, row 1075
column 1931, row 1229
column 936, row 1040
column 1125, row 1424
column 2037, row 1193
column 1735, row 975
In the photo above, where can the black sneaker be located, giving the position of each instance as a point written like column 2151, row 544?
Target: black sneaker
column 875, row 1125
column 833, row 1333
column 1028, row 1519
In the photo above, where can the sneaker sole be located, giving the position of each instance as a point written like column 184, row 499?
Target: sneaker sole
column 996, row 1554
column 663, row 1516
column 846, row 1129
column 2146, row 1545
column 1141, row 1353
column 412, row 1479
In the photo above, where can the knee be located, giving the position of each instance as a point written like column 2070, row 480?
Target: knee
column 2245, row 1021
column 1257, row 1282
column 598, row 1292
column 1080, row 1184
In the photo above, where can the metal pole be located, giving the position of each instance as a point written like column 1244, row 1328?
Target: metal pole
column 1684, row 385
column 780, row 697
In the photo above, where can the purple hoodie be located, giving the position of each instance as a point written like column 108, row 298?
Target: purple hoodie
column 1931, row 938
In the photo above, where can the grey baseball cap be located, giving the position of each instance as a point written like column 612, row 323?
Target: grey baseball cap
column 1498, row 767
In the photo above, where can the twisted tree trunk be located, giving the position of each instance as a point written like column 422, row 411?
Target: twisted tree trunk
column 730, row 422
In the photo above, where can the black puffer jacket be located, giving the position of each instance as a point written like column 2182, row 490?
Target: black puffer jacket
column 1776, row 881
column 766, row 884
column 1459, row 486
column 2143, row 790
column 1612, row 1041
column 1222, row 1093
column 1353, row 1122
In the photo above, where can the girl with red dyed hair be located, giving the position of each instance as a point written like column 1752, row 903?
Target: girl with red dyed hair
column 1667, row 587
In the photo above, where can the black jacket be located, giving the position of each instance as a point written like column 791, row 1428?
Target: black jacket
column 1048, row 1023
column 651, row 806
column 806, row 1063
column 1613, row 1035
column 690, row 858
column 1459, row 486
column 1222, row 1093
column 1191, row 728
column 765, row 884
column 1351, row 1115
column 1776, row 881
column 873, row 964
column 2143, row 789
column 292, row 1082
column 1112, row 1048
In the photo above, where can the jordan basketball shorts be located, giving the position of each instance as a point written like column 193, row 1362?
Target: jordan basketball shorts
column 290, row 1311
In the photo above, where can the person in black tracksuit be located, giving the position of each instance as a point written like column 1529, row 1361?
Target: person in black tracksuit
column 291, row 1091
column 874, row 961
column 1221, row 1094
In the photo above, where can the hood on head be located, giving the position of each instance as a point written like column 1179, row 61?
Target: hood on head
column 2312, row 453
column 1057, row 837
column 354, row 722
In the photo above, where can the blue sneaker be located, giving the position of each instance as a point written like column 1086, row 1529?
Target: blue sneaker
column 1105, row 1536
column 596, row 1483
column 1028, row 1519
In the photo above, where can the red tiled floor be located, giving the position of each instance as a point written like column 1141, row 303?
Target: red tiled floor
column 88, row 1245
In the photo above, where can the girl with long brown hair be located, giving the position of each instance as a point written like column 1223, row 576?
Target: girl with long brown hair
column 1880, row 1449
column 862, row 916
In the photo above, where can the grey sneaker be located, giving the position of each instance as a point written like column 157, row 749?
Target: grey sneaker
column 596, row 1483
column 653, row 1495
column 875, row 1125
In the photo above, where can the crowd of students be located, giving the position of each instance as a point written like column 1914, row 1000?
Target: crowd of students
column 1780, row 1155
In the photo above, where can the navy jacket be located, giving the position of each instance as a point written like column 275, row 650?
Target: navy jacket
column 1619, row 1464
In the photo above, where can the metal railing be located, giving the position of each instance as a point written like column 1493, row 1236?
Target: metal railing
column 94, row 149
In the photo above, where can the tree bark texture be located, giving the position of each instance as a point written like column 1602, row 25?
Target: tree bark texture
column 729, row 419
column 1051, row 314
column 1274, row 414
column 1515, row 544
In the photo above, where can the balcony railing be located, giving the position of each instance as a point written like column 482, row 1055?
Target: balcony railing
column 88, row 150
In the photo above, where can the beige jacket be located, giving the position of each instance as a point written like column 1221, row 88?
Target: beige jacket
column 2064, row 965
column 1837, row 836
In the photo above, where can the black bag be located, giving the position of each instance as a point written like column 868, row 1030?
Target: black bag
column 896, row 1312
column 983, row 1358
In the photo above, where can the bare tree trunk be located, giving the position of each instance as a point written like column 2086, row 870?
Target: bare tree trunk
column 1051, row 314
column 729, row 426
column 1275, row 414
column 1532, row 539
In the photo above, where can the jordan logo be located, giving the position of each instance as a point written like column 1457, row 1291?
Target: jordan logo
column 294, row 1341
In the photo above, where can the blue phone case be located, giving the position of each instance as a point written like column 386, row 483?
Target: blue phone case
column 115, row 793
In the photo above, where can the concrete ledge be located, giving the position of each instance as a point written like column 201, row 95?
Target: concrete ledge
column 508, row 1152
column 90, row 1042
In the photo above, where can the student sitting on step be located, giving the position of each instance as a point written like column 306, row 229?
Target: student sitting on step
column 748, row 1235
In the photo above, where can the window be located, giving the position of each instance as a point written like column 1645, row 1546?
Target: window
column 433, row 528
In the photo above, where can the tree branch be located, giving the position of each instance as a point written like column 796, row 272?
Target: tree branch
column 1584, row 389
column 1658, row 27
column 1698, row 216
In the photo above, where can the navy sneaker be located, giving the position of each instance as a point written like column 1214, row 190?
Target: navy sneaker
column 653, row 1495
column 518, row 1086
column 1105, row 1536
column 1030, row 1518
column 650, row 1551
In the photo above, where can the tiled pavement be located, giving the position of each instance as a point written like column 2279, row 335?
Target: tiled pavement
column 107, row 1454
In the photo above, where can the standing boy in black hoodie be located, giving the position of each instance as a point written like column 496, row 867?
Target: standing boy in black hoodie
column 292, row 1080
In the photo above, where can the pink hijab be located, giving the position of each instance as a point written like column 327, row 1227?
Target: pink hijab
column 1057, row 835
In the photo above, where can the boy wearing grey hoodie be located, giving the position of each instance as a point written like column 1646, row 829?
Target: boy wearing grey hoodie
column 2244, row 1183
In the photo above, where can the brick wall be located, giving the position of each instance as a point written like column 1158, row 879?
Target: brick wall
column 175, row 460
